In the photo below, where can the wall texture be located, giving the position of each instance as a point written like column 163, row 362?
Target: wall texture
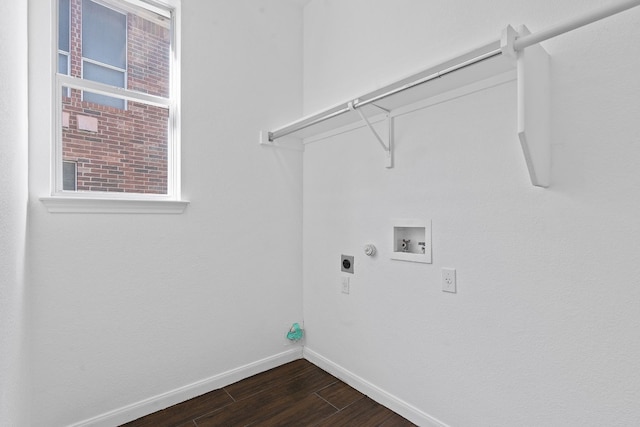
column 13, row 214
column 128, row 307
column 544, row 327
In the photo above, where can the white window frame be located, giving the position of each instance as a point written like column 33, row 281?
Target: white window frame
column 120, row 202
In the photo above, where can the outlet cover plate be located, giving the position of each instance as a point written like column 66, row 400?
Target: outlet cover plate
column 345, row 285
column 449, row 280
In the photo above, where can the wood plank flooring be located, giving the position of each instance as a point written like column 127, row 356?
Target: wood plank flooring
column 295, row 394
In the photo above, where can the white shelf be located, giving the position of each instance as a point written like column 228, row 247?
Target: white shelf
column 492, row 66
column 478, row 65
column 516, row 50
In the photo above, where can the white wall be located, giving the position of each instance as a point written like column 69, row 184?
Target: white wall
column 544, row 329
column 127, row 307
column 13, row 214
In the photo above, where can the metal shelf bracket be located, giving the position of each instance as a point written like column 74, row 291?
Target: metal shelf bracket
column 534, row 92
column 388, row 134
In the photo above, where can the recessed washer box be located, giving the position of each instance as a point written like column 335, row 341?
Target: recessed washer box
column 411, row 240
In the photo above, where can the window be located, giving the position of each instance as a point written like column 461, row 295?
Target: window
column 116, row 100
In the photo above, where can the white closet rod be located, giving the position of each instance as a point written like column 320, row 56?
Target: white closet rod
column 433, row 76
column 519, row 44
column 321, row 117
column 588, row 18
column 310, row 122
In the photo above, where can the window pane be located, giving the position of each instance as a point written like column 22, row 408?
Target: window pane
column 117, row 150
column 104, row 75
column 104, row 34
column 63, row 64
column 69, row 176
column 149, row 55
column 63, row 25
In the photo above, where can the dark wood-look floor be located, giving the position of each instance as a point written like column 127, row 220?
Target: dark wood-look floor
column 296, row 394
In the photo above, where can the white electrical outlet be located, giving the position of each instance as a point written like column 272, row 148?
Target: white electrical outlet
column 449, row 280
column 345, row 285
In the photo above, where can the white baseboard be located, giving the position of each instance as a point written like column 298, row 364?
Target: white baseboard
column 397, row 405
column 164, row 400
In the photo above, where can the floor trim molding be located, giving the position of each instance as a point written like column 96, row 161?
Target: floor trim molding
column 147, row 406
column 392, row 402
column 164, row 400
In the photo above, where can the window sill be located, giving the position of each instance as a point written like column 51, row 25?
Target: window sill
column 58, row 204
